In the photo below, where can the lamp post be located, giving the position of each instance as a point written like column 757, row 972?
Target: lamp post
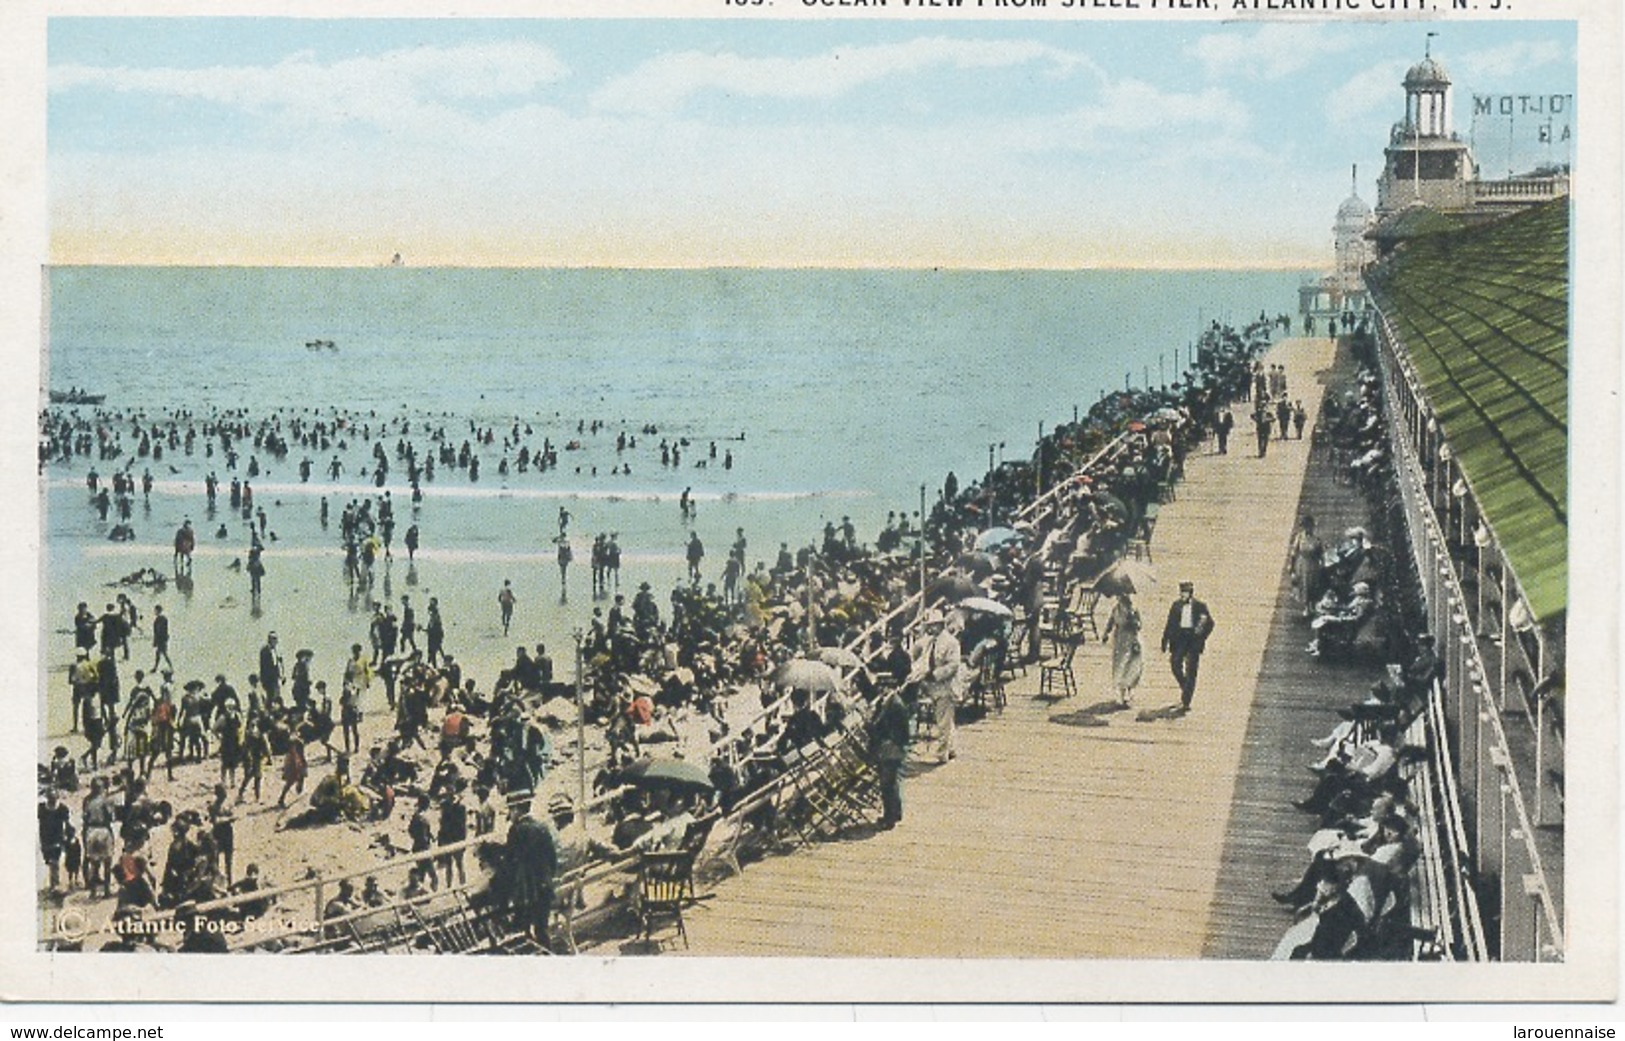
column 919, row 545
column 1038, row 463
column 809, row 638
column 988, row 520
column 997, row 468
column 581, row 747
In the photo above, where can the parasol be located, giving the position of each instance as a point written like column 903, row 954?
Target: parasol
column 994, row 537
column 805, row 674
column 839, row 657
column 1126, row 576
column 984, row 605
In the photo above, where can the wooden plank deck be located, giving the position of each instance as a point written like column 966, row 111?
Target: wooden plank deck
column 1069, row 830
column 1296, row 701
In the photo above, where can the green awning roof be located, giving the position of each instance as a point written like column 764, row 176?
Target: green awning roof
column 1483, row 313
column 1415, row 222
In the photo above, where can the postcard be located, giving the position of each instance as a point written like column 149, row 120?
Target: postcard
column 776, row 500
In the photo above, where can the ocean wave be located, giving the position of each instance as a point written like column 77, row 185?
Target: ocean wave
column 263, row 492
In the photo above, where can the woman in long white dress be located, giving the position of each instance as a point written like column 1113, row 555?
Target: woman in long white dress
column 1128, row 661
column 1308, row 555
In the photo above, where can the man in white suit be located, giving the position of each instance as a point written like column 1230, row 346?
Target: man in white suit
column 936, row 669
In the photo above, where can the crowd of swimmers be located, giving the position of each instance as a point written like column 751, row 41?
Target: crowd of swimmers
column 313, row 443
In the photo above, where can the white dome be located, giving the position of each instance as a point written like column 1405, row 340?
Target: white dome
column 1354, row 208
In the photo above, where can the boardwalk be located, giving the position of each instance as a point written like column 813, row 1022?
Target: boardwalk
column 1296, row 700
column 1069, row 829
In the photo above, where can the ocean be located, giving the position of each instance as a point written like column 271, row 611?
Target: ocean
column 838, row 393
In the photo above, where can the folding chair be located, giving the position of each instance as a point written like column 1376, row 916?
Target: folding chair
column 852, row 781
column 925, row 720
column 1012, row 663
column 1084, row 613
column 827, row 812
column 1059, row 672
column 801, row 807
column 836, row 791
column 428, row 928
column 1059, row 628
column 665, row 884
column 987, row 689
column 460, row 931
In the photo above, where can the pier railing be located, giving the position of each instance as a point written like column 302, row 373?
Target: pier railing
column 1041, row 507
column 1520, row 189
column 1034, row 512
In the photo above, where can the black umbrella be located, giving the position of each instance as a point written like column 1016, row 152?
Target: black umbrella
column 1110, row 503
column 977, row 565
column 673, row 774
column 952, row 587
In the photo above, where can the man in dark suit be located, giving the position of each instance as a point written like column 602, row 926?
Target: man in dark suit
column 532, row 858
column 888, row 744
column 1184, row 637
column 271, row 668
column 1261, row 425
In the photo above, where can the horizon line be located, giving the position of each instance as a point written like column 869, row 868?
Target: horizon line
column 1305, row 265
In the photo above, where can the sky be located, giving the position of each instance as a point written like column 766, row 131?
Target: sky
column 664, row 143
